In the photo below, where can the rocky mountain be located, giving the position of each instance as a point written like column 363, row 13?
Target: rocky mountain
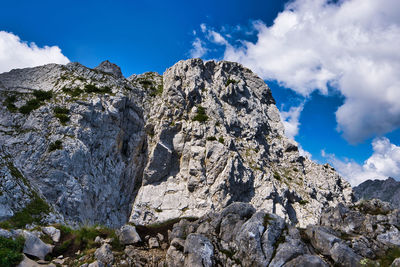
column 386, row 190
column 191, row 167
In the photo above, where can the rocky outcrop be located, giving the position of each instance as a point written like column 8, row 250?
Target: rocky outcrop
column 100, row 148
column 76, row 136
column 386, row 190
column 215, row 137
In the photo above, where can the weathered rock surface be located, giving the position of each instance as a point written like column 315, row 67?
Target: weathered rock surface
column 215, row 137
column 151, row 148
column 36, row 247
column 82, row 149
column 128, row 235
column 386, row 190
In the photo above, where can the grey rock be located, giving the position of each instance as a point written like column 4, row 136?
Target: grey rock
column 322, row 238
column 53, row 232
column 108, row 67
column 395, row 263
column 199, row 250
column 26, row 262
column 391, row 237
column 344, row 256
column 96, row 264
column 307, row 260
column 35, row 247
column 128, row 235
column 5, row 233
column 153, row 242
column 104, row 254
column 386, row 190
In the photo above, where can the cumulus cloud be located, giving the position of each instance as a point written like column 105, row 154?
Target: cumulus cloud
column 290, row 120
column 15, row 53
column 351, row 45
column 198, row 50
column 383, row 163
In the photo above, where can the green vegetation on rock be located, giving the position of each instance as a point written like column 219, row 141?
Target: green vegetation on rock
column 35, row 103
column 74, row 92
column 61, row 114
column 11, row 251
column 229, row 81
column 90, row 88
column 201, row 115
column 9, row 103
column 32, row 213
column 55, row 146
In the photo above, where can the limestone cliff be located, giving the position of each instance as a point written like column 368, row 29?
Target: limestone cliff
column 100, row 148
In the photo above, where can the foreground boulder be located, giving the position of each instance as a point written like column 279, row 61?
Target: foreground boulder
column 36, row 247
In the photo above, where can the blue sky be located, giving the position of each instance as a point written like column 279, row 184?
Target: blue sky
column 336, row 86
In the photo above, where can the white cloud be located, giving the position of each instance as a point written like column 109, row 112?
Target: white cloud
column 290, row 120
column 198, row 50
column 383, row 163
column 15, row 53
column 352, row 45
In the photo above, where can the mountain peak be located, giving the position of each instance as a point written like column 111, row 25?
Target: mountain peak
column 108, row 67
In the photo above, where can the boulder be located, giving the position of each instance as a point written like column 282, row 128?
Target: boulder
column 306, row 260
column 128, row 235
column 199, row 250
column 53, row 232
column 35, row 247
column 104, row 254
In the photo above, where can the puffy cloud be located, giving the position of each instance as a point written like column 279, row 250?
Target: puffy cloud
column 383, row 163
column 198, row 49
column 351, row 45
column 15, row 53
column 290, row 120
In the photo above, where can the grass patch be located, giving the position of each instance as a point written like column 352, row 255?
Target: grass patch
column 11, row 251
column 156, row 91
column 29, row 106
column 63, row 118
column 267, row 219
column 230, row 81
column 91, row 88
column 55, row 146
column 83, row 239
column 32, row 213
column 42, row 95
column 74, row 92
column 221, row 140
column 211, row 138
column 277, row 176
column 390, row 255
column 201, row 115
column 10, row 103
column 303, row 202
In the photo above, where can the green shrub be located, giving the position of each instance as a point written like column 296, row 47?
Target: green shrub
column 201, row 115
column 221, row 140
column 32, row 213
column 303, row 202
column 9, row 103
column 229, row 81
column 74, row 92
column 146, row 83
column 43, row 95
column 211, row 138
column 60, row 110
column 56, row 145
column 90, row 88
column 29, row 106
column 63, row 118
column 277, row 176
column 156, row 92
column 11, row 251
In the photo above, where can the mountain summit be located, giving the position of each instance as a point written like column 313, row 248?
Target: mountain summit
column 203, row 135
column 188, row 168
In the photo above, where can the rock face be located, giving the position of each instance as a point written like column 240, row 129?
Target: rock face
column 215, row 137
column 81, row 148
column 100, row 148
column 386, row 190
